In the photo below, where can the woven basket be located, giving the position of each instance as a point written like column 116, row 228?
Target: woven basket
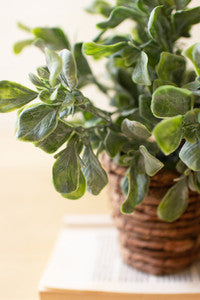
column 147, row 243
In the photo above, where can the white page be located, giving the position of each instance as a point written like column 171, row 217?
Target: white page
column 87, row 257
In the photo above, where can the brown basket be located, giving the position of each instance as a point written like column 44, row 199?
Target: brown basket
column 147, row 243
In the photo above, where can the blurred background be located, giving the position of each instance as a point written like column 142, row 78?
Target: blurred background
column 31, row 211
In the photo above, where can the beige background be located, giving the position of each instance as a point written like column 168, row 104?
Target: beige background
column 31, row 210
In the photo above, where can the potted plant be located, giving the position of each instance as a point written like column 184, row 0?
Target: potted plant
column 150, row 136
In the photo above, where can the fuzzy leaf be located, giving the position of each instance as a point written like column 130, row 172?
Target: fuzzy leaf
column 36, row 81
column 158, row 82
column 98, row 50
column 191, row 125
column 145, row 109
column 14, row 96
column 168, row 134
column 171, row 67
column 53, row 38
column 138, row 187
column 140, row 73
column 134, row 129
column 69, row 100
column 151, row 163
column 183, row 19
column 174, row 202
column 197, row 181
column 114, row 142
column 190, row 155
column 43, row 73
column 66, row 170
column 80, row 191
column 180, row 4
column 56, row 139
column 170, row 101
column 85, row 74
column 54, row 64
column 69, row 70
column 19, row 46
column 95, row 175
column 159, row 27
column 153, row 26
column 118, row 15
column 37, row 122
column 193, row 53
column 130, row 55
column 100, row 7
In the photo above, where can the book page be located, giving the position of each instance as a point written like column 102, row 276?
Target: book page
column 88, row 257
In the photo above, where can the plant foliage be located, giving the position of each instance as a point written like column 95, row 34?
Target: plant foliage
column 155, row 120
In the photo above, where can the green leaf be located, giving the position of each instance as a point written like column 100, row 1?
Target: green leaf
column 100, row 7
column 94, row 173
column 19, row 46
column 80, row 191
column 159, row 27
column 85, row 74
column 183, row 19
column 130, row 55
column 197, row 181
column 56, row 139
column 181, row 167
column 191, row 184
column 53, row 97
column 145, row 109
column 191, row 125
column 69, row 100
column 194, row 181
column 53, row 38
column 140, row 73
column 114, row 142
column 135, row 130
column 54, row 64
column 66, row 170
column 37, row 122
column 168, row 134
column 180, row 4
column 123, row 78
column 23, row 27
column 151, row 163
column 43, row 73
column 118, row 15
column 36, row 81
column 153, row 26
column 14, row 95
column 98, row 50
column 138, row 187
column 170, row 101
column 125, row 185
column 122, row 101
column 193, row 53
column 69, row 70
column 174, row 202
column 79, row 97
column 190, row 155
column 158, row 82
column 171, row 67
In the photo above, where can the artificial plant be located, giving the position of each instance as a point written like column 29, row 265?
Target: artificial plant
column 154, row 122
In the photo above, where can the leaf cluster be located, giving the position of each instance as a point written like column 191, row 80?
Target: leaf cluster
column 155, row 121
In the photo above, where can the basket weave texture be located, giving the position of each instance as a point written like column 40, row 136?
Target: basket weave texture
column 148, row 243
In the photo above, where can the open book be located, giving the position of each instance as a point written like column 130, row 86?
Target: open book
column 86, row 264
